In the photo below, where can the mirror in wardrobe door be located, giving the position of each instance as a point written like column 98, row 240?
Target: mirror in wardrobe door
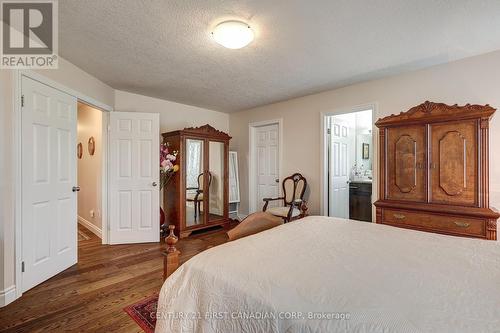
column 194, row 182
column 216, row 181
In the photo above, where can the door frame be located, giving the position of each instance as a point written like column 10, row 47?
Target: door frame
column 17, row 76
column 252, row 167
column 324, row 152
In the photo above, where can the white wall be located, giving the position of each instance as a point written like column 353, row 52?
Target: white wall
column 473, row 80
column 74, row 78
column 90, row 167
column 173, row 116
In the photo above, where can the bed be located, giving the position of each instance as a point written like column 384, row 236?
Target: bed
column 323, row 274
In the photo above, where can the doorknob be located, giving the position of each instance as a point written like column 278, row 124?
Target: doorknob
column 76, row 189
column 154, row 184
column 277, row 180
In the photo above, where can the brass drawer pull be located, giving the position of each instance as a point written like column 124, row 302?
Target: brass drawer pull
column 399, row 216
column 462, row 224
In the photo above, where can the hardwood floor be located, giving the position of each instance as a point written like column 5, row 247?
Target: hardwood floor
column 90, row 296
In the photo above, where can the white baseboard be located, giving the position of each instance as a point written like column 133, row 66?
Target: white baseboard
column 92, row 227
column 7, row 295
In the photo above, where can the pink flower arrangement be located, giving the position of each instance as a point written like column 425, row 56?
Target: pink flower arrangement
column 167, row 164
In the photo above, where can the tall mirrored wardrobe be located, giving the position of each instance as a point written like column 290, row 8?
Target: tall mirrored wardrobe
column 197, row 196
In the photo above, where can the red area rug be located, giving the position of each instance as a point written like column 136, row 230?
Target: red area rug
column 144, row 313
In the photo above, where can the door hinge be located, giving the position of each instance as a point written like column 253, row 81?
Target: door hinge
column 329, row 131
column 22, row 100
column 22, row 267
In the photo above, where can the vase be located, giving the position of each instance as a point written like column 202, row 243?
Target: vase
column 162, row 223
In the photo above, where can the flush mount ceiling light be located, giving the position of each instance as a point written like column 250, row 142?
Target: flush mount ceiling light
column 233, row 34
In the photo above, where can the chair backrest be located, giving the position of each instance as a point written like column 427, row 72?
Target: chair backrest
column 200, row 180
column 294, row 187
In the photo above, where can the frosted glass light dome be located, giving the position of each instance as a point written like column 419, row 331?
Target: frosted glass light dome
column 233, row 34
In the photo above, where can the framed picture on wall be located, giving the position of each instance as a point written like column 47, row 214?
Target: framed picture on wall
column 79, row 150
column 91, row 146
column 366, row 151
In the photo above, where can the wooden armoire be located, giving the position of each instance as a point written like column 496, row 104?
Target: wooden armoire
column 197, row 195
column 434, row 170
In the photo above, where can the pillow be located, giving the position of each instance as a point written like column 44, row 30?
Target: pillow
column 253, row 224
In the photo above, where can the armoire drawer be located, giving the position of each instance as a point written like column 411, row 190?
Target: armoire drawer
column 445, row 223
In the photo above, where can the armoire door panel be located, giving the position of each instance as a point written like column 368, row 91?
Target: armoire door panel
column 406, row 157
column 453, row 165
column 406, row 163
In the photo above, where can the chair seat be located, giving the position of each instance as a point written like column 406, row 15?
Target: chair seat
column 283, row 211
column 192, row 196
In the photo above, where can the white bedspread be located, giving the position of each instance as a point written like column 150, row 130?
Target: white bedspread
column 353, row 276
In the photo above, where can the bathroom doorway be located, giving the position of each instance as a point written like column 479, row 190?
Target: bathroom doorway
column 350, row 165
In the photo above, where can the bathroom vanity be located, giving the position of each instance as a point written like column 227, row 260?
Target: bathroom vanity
column 360, row 200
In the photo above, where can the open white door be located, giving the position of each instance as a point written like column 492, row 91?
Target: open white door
column 133, row 171
column 339, row 173
column 49, row 214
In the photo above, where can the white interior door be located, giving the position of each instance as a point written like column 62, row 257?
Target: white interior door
column 134, row 197
column 49, row 205
column 339, row 170
column 267, row 161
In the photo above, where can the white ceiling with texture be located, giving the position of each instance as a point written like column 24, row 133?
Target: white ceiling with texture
column 163, row 48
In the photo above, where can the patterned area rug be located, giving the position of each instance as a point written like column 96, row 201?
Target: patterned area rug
column 144, row 313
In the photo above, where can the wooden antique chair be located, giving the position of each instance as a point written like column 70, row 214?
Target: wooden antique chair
column 197, row 197
column 294, row 207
